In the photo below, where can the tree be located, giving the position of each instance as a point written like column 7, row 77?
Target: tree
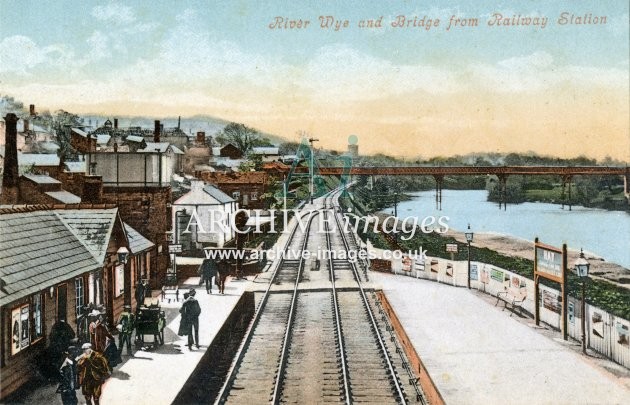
column 244, row 138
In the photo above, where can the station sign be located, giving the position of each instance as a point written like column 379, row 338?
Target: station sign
column 451, row 247
column 175, row 248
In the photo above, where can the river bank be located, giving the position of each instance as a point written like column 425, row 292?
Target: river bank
column 517, row 247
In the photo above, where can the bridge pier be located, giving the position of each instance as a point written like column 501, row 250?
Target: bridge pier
column 439, row 181
column 503, row 191
column 626, row 185
column 566, row 180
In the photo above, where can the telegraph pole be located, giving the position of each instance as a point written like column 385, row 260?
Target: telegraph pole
column 311, row 140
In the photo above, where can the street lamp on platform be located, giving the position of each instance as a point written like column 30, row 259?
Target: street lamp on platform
column 469, row 238
column 123, row 257
column 581, row 267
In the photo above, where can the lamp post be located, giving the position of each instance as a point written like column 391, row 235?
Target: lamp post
column 469, row 238
column 123, row 256
column 581, row 267
column 311, row 140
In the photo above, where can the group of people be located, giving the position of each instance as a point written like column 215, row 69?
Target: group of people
column 94, row 366
column 219, row 270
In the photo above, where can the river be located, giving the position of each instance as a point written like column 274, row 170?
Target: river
column 604, row 233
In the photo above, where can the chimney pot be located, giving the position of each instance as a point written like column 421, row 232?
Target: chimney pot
column 32, row 110
column 115, row 123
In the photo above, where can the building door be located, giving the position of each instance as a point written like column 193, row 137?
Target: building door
column 62, row 302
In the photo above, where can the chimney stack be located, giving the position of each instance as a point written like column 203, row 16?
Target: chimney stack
column 156, row 131
column 201, row 138
column 26, row 126
column 10, row 177
column 115, row 123
column 32, row 110
column 179, row 122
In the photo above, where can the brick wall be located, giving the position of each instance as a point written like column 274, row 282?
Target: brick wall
column 146, row 210
column 32, row 193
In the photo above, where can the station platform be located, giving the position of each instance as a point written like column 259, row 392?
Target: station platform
column 477, row 354
column 156, row 375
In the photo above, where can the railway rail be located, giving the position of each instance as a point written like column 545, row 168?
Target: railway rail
column 323, row 345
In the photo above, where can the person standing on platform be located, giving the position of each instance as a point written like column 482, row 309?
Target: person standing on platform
column 125, row 326
column 93, row 370
column 99, row 333
column 190, row 311
column 68, row 379
column 208, row 270
column 223, row 272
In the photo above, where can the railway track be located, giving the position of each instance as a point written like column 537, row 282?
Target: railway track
column 315, row 346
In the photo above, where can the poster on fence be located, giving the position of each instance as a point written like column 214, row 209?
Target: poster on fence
column 474, row 272
column 496, row 275
column 551, row 301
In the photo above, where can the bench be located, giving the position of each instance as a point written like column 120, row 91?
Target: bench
column 513, row 297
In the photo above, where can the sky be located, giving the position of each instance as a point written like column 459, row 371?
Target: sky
column 411, row 91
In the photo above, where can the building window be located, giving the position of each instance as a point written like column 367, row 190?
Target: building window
column 254, row 195
column 37, row 317
column 79, row 293
column 236, row 195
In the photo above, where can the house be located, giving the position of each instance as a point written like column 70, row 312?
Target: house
column 214, row 211
column 276, row 169
column 53, row 262
column 245, row 188
column 268, row 154
column 43, row 163
column 44, row 269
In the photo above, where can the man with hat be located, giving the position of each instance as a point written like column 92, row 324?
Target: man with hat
column 190, row 311
column 68, row 378
column 125, row 326
column 93, row 370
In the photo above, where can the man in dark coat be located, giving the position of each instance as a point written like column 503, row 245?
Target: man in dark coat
column 207, row 270
column 126, row 324
column 223, row 272
column 190, row 311
column 68, row 379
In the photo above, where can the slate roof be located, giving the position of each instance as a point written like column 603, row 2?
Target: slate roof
column 208, row 195
column 137, row 242
column 41, row 179
column 162, row 146
column 37, row 250
column 92, row 226
column 64, row 197
column 218, row 194
column 265, row 150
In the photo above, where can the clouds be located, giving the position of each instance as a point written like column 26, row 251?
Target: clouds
column 114, row 13
column 21, row 55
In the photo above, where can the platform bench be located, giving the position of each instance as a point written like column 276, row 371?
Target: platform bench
column 514, row 297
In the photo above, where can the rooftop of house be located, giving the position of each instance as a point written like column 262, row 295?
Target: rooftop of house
column 41, row 179
column 137, row 242
column 201, row 194
column 64, row 197
column 236, row 177
column 92, row 226
column 38, row 250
